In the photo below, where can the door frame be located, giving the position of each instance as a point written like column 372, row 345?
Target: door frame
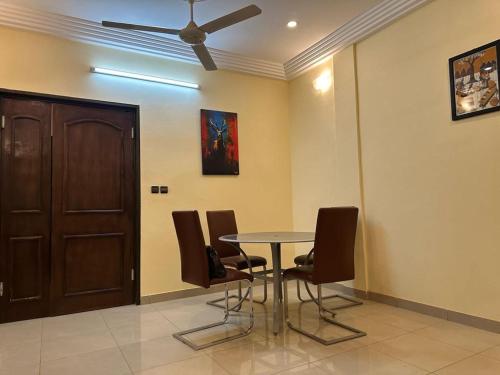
column 57, row 99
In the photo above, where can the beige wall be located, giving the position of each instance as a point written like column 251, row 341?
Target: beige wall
column 170, row 136
column 324, row 148
column 312, row 145
column 380, row 139
column 431, row 185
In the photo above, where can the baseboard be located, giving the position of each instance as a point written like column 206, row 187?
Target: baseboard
column 186, row 293
column 452, row 316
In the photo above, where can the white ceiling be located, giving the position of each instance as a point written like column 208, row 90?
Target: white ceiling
column 265, row 37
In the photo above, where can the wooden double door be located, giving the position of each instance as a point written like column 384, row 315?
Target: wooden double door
column 68, row 207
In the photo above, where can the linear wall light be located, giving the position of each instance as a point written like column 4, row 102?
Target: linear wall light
column 142, row 77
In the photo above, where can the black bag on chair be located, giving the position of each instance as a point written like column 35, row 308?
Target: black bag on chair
column 216, row 269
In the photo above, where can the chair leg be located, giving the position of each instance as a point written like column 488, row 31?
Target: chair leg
column 298, row 294
column 355, row 332
column 352, row 301
column 239, row 297
column 180, row 335
column 264, row 299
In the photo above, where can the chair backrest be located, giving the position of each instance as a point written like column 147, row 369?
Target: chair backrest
column 221, row 223
column 194, row 259
column 334, row 244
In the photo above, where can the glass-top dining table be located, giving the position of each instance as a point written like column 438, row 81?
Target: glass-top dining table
column 275, row 239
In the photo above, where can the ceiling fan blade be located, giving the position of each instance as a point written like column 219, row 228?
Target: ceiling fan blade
column 130, row 26
column 231, row 18
column 204, row 56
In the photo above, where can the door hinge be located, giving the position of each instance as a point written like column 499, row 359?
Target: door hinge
column 133, row 133
column 132, row 274
column 3, row 122
column 1, row 289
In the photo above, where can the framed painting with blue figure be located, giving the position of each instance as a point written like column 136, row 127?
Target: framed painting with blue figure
column 219, row 143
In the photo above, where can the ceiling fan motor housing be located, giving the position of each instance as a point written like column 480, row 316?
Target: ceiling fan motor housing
column 191, row 34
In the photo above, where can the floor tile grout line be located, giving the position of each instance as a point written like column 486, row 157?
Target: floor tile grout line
column 367, row 346
column 411, row 364
column 75, row 355
column 168, row 320
column 392, row 356
column 486, row 355
column 266, row 338
column 220, row 364
column 153, row 339
column 98, row 312
column 315, row 363
column 454, row 345
column 457, row 362
column 41, row 346
column 177, row 362
column 116, row 342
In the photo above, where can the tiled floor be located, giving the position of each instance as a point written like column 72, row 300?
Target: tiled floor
column 138, row 340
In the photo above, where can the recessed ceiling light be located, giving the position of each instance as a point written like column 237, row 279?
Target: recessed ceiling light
column 291, row 24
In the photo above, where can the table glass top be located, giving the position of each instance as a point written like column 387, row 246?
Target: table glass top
column 269, row 237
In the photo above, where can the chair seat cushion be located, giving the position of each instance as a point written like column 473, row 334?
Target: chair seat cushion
column 232, row 275
column 239, row 262
column 299, row 273
column 301, row 259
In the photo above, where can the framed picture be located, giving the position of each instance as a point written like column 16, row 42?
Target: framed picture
column 219, row 143
column 474, row 82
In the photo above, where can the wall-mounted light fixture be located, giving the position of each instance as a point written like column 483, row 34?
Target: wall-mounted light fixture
column 142, row 77
column 323, row 82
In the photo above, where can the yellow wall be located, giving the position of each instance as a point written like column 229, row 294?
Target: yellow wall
column 170, row 137
column 312, row 145
column 381, row 139
column 324, row 151
column 431, row 185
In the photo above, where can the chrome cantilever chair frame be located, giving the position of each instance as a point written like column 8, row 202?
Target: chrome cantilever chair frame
column 353, row 302
column 239, row 296
column 227, row 313
column 355, row 332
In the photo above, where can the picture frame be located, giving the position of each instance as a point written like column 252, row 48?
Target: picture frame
column 474, row 82
column 219, row 143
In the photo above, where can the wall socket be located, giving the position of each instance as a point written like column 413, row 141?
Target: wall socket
column 159, row 189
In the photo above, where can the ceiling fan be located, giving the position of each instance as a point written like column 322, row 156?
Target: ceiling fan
column 196, row 35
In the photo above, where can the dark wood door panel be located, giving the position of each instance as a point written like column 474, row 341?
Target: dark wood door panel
column 99, row 187
column 67, row 207
column 27, row 164
column 25, row 269
column 93, row 210
column 25, row 209
column 86, row 254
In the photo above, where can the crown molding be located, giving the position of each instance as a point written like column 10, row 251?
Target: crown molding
column 352, row 32
column 153, row 44
column 157, row 45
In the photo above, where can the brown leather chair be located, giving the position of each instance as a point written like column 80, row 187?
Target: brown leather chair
column 221, row 223
column 195, row 270
column 333, row 262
